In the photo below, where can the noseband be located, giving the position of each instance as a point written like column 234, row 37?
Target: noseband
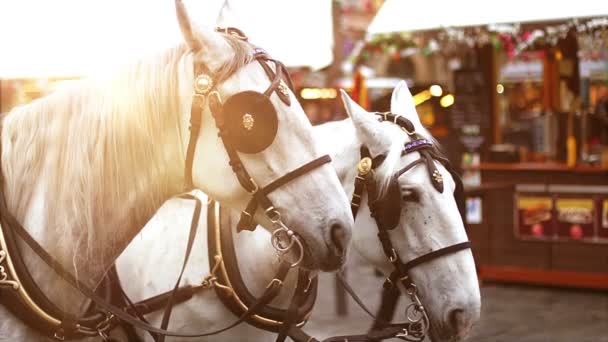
column 386, row 211
column 237, row 125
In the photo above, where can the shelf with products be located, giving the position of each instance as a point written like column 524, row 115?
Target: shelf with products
column 536, row 232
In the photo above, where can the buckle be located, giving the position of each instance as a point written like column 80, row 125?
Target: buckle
column 255, row 187
column 274, row 281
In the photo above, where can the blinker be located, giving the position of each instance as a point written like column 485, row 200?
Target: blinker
column 388, row 208
column 251, row 121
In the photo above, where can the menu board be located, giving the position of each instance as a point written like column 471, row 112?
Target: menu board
column 603, row 229
column 575, row 218
column 472, row 104
column 534, row 216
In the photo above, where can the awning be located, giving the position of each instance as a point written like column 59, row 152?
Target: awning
column 66, row 38
column 407, row 16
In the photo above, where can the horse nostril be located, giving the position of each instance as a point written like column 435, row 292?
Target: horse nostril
column 460, row 321
column 338, row 237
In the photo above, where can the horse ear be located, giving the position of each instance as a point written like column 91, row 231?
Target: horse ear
column 185, row 26
column 402, row 102
column 369, row 130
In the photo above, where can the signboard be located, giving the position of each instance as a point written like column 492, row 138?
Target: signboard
column 534, row 217
column 603, row 228
column 474, row 210
column 575, row 218
column 471, row 103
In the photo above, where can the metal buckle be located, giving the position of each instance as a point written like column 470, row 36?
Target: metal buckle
column 255, row 186
column 59, row 336
column 393, row 256
column 244, row 212
column 403, row 333
column 104, row 326
column 408, row 132
column 273, row 281
column 308, row 285
column 273, row 215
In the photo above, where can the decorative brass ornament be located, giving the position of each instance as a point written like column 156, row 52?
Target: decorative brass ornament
column 283, row 89
column 4, row 277
column 364, row 166
column 16, row 284
column 248, row 121
column 437, row 176
column 203, row 84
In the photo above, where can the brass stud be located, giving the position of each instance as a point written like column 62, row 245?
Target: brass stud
column 248, row 121
column 364, row 166
column 4, row 281
column 203, row 84
column 283, row 89
column 437, row 176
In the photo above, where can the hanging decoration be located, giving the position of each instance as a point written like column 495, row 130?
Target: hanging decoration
column 514, row 39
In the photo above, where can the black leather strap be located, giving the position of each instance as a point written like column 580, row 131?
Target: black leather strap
column 195, row 127
column 233, row 277
column 260, row 197
column 436, row 254
column 196, row 214
column 292, row 314
column 388, row 304
column 270, row 293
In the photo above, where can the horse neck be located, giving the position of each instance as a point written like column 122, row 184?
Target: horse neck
column 87, row 166
column 340, row 140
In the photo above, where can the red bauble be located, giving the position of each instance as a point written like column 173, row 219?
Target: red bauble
column 576, row 231
column 537, row 230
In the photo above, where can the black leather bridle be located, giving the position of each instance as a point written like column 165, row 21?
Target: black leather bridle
column 206, row 93
column 386, row 211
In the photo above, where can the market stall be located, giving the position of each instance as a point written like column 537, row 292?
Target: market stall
column 530, row 114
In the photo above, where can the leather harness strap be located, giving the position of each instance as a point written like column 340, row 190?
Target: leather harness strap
column 76, row 326
column 260, row 197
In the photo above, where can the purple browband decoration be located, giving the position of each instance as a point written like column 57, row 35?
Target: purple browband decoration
column 416, row 144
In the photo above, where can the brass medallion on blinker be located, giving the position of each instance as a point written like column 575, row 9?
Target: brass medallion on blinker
column 251, row 121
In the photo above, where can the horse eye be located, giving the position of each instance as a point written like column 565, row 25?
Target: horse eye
column 410, row 195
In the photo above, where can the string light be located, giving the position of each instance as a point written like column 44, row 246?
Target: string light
column 447, row 101
column 592, row 34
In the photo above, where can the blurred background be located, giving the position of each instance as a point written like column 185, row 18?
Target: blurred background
column 516, row 92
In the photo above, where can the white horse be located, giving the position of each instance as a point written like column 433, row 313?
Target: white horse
column 447, row 285
column 87, row 166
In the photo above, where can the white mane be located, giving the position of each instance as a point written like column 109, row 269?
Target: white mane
column 94, row 146
column 105, row 151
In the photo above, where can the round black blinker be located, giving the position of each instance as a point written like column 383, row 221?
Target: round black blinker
column 388, row 208
column 251, row 121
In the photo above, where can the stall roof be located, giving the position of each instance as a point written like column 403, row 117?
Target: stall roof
column 64, row 38
column 407, row 16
